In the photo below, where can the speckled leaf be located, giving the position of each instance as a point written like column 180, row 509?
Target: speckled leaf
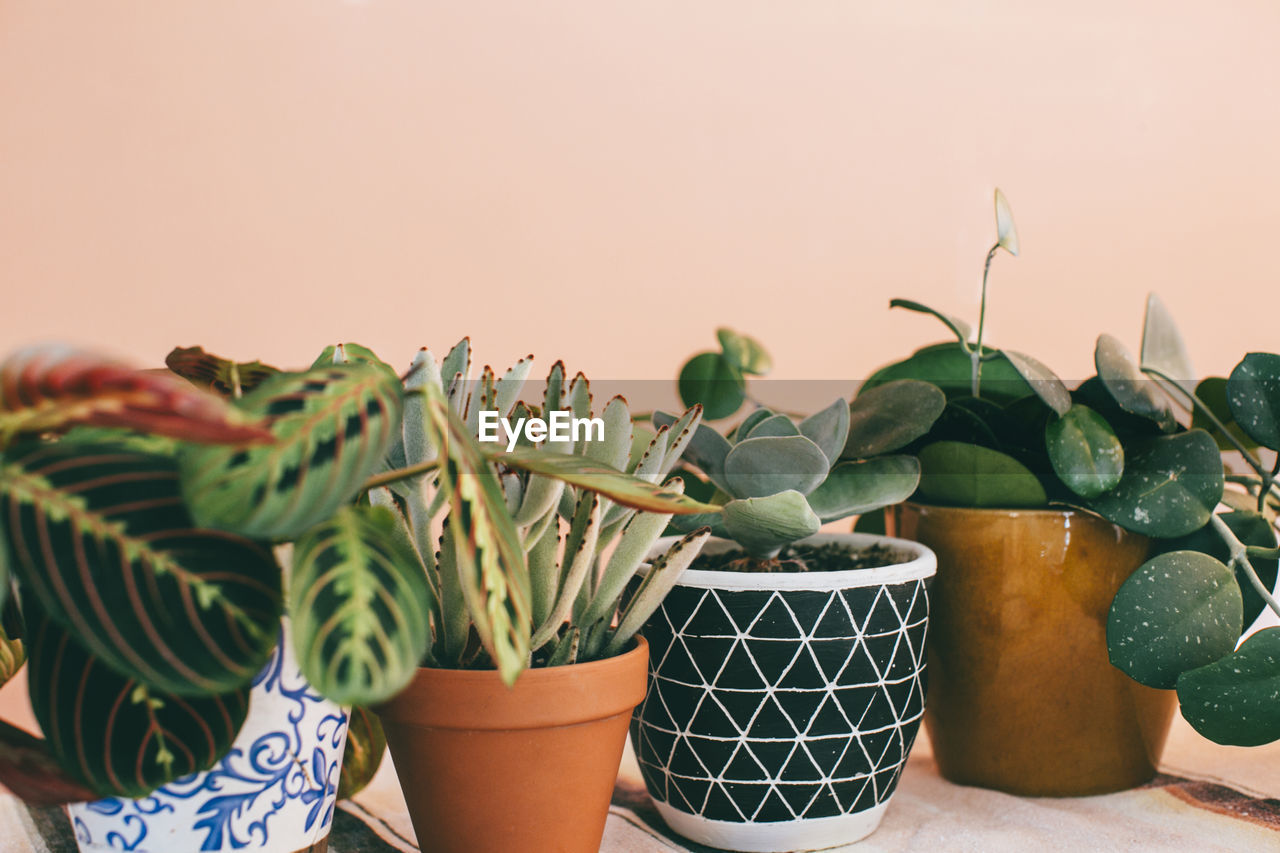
column 1162, row 346
column 888, row 417
column 1252, row 530
column 1043, row 381
column 333, row 427
column 1212, row 391
column 1169, row 488
column 961, row 474
column 101, row 538
column 1236, row 700
column 1084, row 451
column 1178, row 611
column 1253, row 394
column 1132, row 391
column 114, row 734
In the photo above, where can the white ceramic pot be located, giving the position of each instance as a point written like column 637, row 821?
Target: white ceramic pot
column 274, row 792
column 782, row 706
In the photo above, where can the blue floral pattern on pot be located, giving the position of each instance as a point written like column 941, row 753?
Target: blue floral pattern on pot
column 275, row 791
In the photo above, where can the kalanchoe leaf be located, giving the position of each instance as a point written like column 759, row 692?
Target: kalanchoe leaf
column 596, row 477
column 360, row 603
column 829, row 429
column 1253, row 395
column 712, row 380
column 743, row 429
column 744, row 352
column 853, row 488
column 1006, row 230
column 949, row 367
column 114, row 734
column 362, row 757
column 775, row 425
column 333, row 427
column 206, row 370
column 1043, row 381
column 100, row 537
column 1169, row 488
column 764, row 525
column 658, row 581
column 455, row 372
column 888, row 417
column 960, row 474
column 1084, row 451
column 1132, row 391
column 1162, row 346
column 1212, row 391
column 1178, row 611
column 47, row 388
column 757, row 467
column 958, row 327
column 1251, row 529
column 1233, row 700
column 614, row 449
column 507, row 387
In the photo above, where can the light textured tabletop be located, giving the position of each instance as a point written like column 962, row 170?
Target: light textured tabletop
column 1207, row 798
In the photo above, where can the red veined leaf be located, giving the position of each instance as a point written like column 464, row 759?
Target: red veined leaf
column 30, row 771
column 52, row 387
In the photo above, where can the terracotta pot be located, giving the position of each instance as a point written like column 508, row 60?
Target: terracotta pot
column 1022, row 696
column 531, row 768
column 782, row 707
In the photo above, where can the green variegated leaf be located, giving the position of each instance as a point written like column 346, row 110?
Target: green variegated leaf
column 1170, row 486
column 333, row 427
column 1084, row 451
column 1233, row 700
column 1253, row 395
column 226, row 377
column 360, row 605
column 101, row 538
column 490, row 557
column 595, row 477
column 115, row 735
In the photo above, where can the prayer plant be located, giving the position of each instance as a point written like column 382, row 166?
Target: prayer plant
column 138, row 514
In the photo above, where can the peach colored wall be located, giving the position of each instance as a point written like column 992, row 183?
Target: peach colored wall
column 608, row 181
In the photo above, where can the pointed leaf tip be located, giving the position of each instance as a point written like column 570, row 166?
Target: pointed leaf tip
column 1006, row 230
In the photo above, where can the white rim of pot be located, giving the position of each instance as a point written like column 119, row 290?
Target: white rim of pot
column 923, row 564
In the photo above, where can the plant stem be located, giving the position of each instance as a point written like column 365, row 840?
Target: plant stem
column 386, row 478
column 975, row 355
column 1240, row 558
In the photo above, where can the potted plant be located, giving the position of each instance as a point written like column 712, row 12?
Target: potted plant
column 147, row 634
column 787, row 666
column 1040, row 502
column 430, row 597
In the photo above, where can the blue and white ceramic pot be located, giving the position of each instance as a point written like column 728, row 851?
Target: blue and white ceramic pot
column 781, row 706
column 274, row 792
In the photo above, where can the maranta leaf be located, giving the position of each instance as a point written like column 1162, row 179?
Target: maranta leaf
column 99, row 535
column 332, row 425
column 206, row 370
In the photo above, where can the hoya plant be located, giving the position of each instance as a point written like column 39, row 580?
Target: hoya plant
column 1177, row 621
column 141, row 630
column 1013, row 435
column 418, row 544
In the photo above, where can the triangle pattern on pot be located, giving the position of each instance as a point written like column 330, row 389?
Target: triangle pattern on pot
column 775, row 705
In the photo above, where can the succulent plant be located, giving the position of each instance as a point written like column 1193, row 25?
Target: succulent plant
column 778, row 480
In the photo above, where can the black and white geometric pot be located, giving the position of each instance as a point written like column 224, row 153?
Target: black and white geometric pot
column 782, row 706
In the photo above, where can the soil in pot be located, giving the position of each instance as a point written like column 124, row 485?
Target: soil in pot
column 782, row 705
column 484, row 767
column 805, row 557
